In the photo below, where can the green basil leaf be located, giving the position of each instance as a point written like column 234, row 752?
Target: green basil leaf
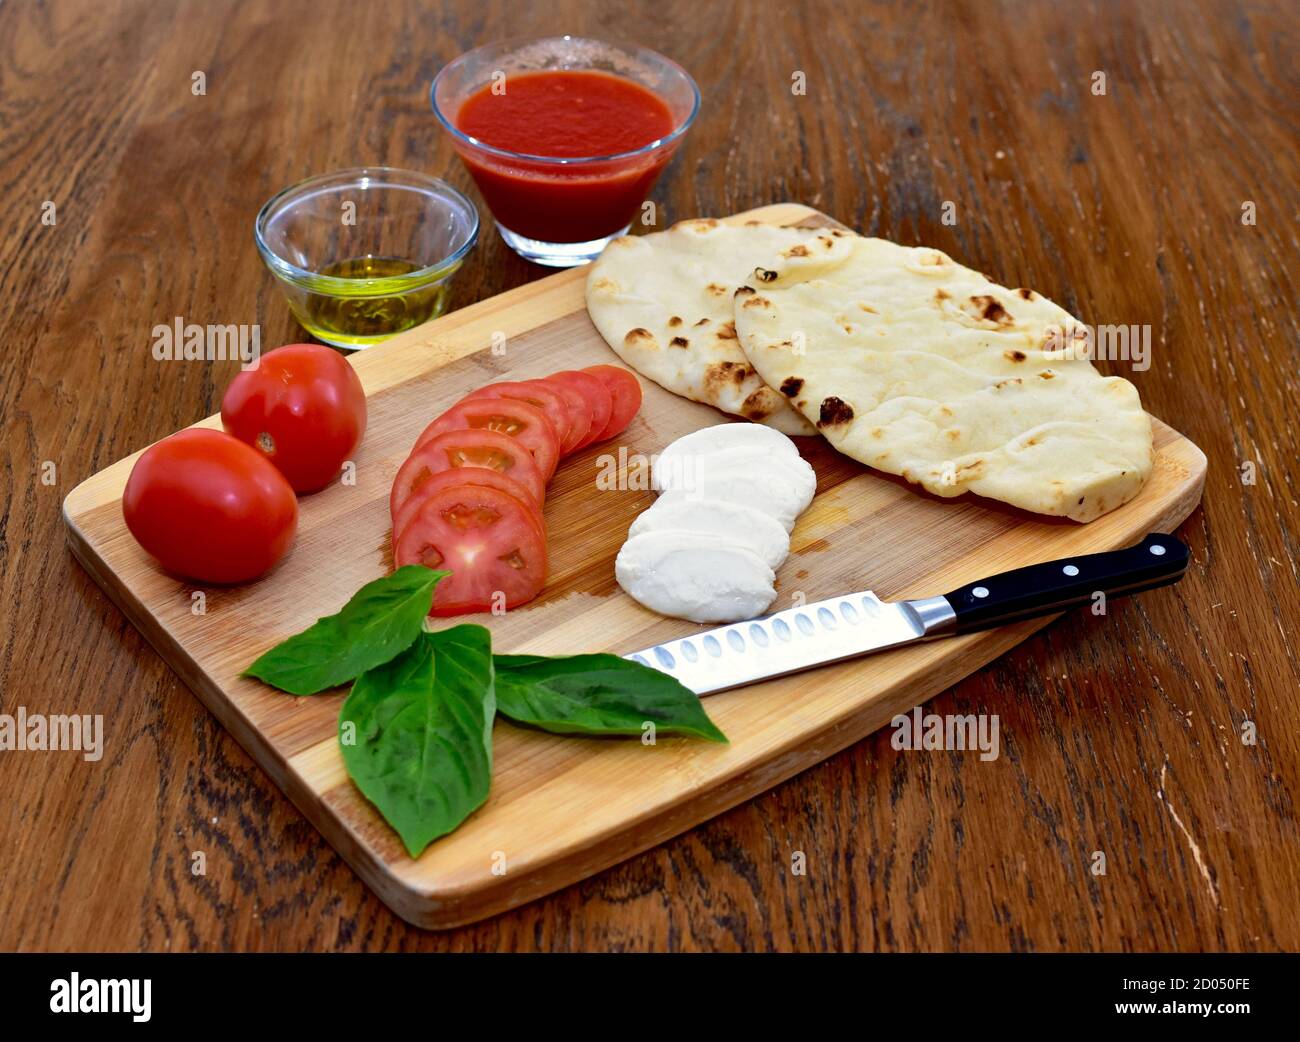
column 597, row 694
column 421, row 730
column 382, row 619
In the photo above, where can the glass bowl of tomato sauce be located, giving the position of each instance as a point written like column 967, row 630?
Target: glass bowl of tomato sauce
column 564, row 137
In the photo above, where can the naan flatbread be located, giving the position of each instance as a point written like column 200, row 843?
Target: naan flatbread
column 915, row 365
column 663, row 302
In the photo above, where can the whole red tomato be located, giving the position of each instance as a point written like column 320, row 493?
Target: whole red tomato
column 209, row 507
column 303, row 408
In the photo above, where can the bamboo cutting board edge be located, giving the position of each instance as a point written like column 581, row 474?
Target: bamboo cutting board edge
column 439, row 903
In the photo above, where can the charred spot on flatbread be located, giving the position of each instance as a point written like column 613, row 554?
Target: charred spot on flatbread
column 988, row 308
column 834, row 411
column 679, row 341
column 798, row 250
column 640, row 337
column 791, row 386
column 757, row 302
column 726, row 331
column 933, row 261
column 720, row 375
column 675, row 321
column 758, row 404
column 1014, row 356
column 1026, row 294
column 701, row 322
column 717, row 289
column 765, row 274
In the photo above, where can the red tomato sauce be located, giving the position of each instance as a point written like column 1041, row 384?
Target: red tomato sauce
column 565, row 114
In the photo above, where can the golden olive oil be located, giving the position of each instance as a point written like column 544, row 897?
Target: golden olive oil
column 376, row 311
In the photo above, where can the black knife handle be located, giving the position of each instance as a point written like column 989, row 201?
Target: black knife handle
column 1043, row 589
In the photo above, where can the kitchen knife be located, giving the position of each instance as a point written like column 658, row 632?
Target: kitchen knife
column 859, row 623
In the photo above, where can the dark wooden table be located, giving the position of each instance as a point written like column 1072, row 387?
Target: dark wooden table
column 1169, row 200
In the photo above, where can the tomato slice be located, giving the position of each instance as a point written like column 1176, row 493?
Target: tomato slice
column 540, row 395
column 625, row 394
column 488, row 541
column 464, row 476
column 519, row 420
column 579, row 415
column 599, row 405
column 467, row 448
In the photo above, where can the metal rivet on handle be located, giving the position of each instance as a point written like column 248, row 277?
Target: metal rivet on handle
column 1158, row 550
column 979, row 591
column 1070, row 569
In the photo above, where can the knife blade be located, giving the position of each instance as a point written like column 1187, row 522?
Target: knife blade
column 839, row 628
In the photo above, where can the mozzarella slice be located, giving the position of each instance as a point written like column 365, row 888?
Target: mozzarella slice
column 692, row 576
column 708, row 440
column 780, row 486
column 736, row 523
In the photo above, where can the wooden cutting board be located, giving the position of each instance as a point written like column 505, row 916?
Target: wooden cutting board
column 563, row 808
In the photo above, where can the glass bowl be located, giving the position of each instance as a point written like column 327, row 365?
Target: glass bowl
column 563, row 211
column 363, row 254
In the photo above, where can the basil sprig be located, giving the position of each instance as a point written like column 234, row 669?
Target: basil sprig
column 382, row 619
column 416, row 728
column 597, row 695
column 416, row 733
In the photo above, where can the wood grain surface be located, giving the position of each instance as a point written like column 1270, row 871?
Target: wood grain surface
column 1169, row 200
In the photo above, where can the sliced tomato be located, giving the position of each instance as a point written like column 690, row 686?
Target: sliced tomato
column 464, row 476
column 599, row 405
column 540, row 395
column 625, row 396
column 487, row 539
column 525, row 423
column 467, row 448
column 578, row 413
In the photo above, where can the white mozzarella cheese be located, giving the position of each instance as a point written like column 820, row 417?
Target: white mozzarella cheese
column 708, row 440
column 736, row 523
column 708, row 549
column 692, row 576
column 780, row 486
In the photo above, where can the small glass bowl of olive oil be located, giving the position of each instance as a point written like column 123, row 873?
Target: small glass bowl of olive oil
column 367, row 253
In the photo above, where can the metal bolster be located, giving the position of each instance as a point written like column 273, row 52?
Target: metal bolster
column 934, row 615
